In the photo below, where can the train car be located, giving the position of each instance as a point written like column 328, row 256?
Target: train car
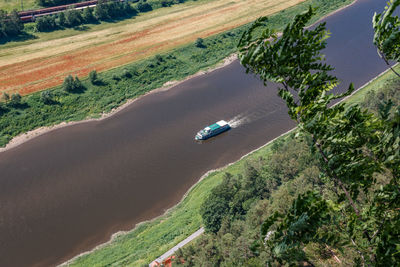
column 27, row 13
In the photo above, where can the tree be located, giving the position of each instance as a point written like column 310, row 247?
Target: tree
column 61, row 19
column 353, row 146
column 68, row 84
column 88, row 16
column 101, row 11
column 15, row 99
column 93, row 76
column 126, row 74
column 10, row 24
column 143, row 6
column 47, row 97
column 216, row 206
column 387, row 33
column 5, row 97
column 199, row 43
column 45, row 23
column 77, row 84
column 15, row 25
column 73, row 17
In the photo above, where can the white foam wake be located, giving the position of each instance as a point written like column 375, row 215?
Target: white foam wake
column 238, row 120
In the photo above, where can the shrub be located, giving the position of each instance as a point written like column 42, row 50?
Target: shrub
column 45, row 24
column 73, row 17
column 10, row 24
column 15, row 99
column 199, row 43
column 115, row 77
column 93, row 76
column 5, row 97
column 159, row 58
column 101, row 11
column 142, row 6
column 77, row 84
column 72, row 85
column 165, row 3
column 47, row 97
column 61, row 19
column 126, row 74
column 88, row 16
column 68, row 84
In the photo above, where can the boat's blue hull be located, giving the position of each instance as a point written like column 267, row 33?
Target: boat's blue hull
column 215, row 132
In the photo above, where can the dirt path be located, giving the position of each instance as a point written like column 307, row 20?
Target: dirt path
column 41, row 65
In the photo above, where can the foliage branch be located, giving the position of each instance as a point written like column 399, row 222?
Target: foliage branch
column 353, row 146
column 387, row 33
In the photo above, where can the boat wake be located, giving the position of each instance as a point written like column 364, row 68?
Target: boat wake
column 242, row 119
column 238, row 120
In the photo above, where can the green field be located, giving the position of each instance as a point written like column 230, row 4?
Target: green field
column 10, row 5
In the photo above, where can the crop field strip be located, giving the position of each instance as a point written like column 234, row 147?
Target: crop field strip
column 10, row 5
column 40, row 65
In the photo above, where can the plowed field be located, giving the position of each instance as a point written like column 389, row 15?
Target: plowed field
column 40, row 65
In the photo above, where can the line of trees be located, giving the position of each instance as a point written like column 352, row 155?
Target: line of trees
column 74, row 17
column 11, row 25
column 103, row 11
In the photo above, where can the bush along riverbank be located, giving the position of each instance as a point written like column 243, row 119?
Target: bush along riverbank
column 116, row 86
column 262, row 172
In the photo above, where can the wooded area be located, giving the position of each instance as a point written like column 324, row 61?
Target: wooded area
column 330, row 190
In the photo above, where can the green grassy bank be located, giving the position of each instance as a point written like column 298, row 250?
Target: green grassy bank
column 133, row 80
column 388, row 80
column 152, row 239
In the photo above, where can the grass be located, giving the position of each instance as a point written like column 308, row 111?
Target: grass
column 379, row 83
column 10, row 5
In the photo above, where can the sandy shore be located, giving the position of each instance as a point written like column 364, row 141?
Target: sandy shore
column 22, row 138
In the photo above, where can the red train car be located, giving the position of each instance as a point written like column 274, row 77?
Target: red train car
column 29, row 15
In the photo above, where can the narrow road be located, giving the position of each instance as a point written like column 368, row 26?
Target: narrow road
column 174, row 249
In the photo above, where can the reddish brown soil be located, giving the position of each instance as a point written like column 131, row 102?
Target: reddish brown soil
column 157, row 35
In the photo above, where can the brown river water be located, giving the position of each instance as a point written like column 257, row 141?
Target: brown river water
column 67, row 191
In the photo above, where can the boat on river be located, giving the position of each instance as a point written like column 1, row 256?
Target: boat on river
column 212, row 130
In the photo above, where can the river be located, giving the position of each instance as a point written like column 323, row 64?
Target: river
column 67, row 191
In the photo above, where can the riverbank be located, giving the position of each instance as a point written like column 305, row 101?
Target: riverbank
column 25, row 137
column 130, row 81
column 136, row 247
